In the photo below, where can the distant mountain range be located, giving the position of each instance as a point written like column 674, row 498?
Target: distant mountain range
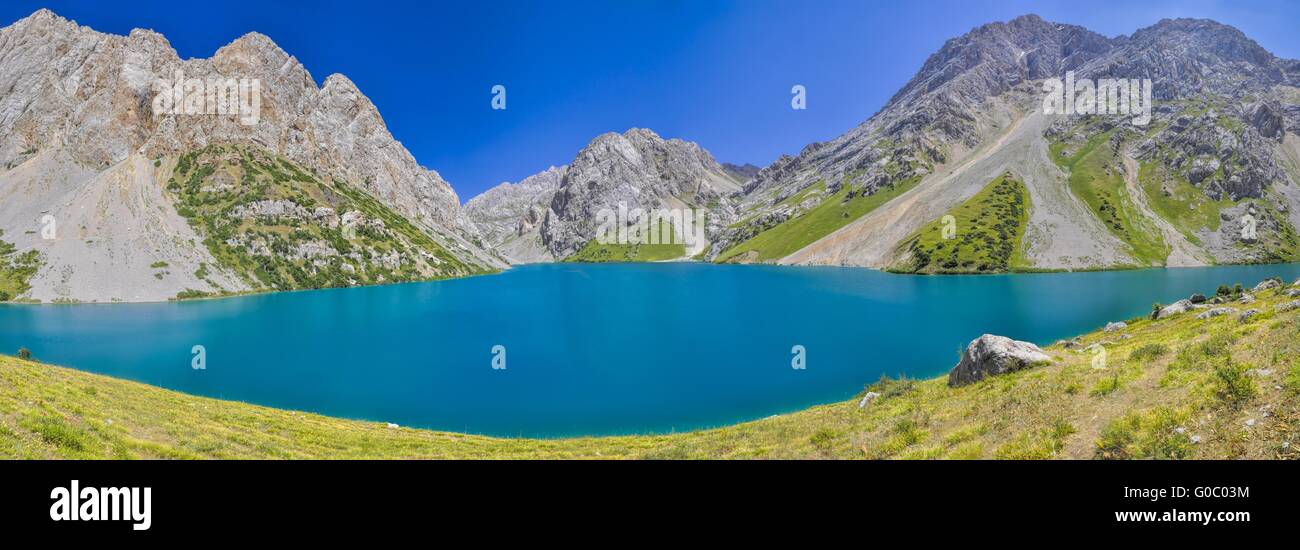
column 104, row 199
column 1072, row 192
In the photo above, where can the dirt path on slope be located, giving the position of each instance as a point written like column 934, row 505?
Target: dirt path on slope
column 1182, row 252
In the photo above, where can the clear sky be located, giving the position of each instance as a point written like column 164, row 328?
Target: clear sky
column 712, row 71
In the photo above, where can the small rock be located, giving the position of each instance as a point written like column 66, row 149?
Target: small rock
column 1216, row 312
column 1247, row 315
column 1246, row 299
column 1196, row 439
column 1197, row 299
column 868, row 398
column 1175, row 308
column 1283, row 308
column 1267, row 284
column 392, row 425
column 1250, row 422
column 1292, row 292
column 1118, row 325
column 1180, row 430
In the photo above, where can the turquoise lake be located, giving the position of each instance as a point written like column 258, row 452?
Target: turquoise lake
column 589, row 349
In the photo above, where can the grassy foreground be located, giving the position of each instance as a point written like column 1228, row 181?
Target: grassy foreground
column 1180, row 387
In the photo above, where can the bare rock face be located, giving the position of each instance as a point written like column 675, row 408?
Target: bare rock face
column 510, row 215
column 637, row 169
column 1266, row 285
column 1226, row 105
column 65, row 87
column 941, row 109
column 991, row 355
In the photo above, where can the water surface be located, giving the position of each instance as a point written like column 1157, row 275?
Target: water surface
column 590, row 349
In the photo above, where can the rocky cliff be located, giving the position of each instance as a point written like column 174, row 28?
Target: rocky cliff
column 510, row 215
column 554, row 214
column 81, row 142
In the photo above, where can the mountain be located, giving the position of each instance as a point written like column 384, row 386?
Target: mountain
column 510, row 215
column 1100, row 192
column 742, row 172
column 82, row 147
column 556, row 214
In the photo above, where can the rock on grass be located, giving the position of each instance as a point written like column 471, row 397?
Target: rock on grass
column 991, row 355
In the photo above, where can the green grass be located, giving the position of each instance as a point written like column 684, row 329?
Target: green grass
column 989, row 228
column 1183, row 377
column 1095, row 178
column 595, row 252
column 16, row 270
column 210, row 184
column 1185, row 206
column 818, row 188
column 1146, row 434
column 834, row 212
column 1282, row 245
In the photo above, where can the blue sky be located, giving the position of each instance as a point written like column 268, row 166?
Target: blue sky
column 712, row 71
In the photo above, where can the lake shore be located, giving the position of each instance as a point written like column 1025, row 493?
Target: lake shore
column 1182, row 387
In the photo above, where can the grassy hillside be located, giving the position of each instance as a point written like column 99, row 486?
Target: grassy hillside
column 1095, row 177
column 279, row 227
column 834, row 212
column 15, row 270
column 595, row 252
column 1174, row 199
column 986, row 237
column 1180, row 387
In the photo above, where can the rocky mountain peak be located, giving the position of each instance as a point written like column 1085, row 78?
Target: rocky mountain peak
column 90, row 97
column 552, row 214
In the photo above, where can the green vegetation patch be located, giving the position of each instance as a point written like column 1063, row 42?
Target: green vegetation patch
column 16, row 270
column 1184, row 205
column 834, row 212
column 1095, row 178
column 595, row 252
column 279, row 227
column 984, row 237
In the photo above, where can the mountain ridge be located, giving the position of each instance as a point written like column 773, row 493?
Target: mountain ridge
column 83, row 101
column 1227, row 123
